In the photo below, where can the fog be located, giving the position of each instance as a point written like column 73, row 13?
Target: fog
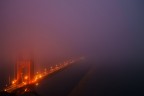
column 58, row 29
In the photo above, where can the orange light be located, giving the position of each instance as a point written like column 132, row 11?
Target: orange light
column 26, row 90
column 24, row 83
column 37, row 84
column 36, row 79
column 14, row 81
column 40, row 76
column 26, row 77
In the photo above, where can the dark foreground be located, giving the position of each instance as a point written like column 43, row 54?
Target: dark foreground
column 94, row 79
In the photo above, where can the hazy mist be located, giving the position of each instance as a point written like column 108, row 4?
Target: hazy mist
column 59, row 29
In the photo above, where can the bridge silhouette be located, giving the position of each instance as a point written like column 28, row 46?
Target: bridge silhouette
column 26, row 79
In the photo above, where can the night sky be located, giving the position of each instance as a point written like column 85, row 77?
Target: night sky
column 54, row 30
column 77, row 27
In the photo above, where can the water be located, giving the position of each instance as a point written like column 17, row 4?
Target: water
column 91, row 80
column 105, row 78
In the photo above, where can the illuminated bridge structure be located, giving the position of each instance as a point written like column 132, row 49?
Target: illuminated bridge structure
column 26, row 78
column 24, row 71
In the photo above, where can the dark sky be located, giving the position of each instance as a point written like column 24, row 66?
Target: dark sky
column 60, row 28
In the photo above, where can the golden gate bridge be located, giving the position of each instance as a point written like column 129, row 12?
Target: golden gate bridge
column 25, row 75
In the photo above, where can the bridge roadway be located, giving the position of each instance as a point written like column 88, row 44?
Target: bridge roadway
column 38, row 77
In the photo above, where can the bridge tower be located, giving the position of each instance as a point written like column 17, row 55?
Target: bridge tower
column 24, row 70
